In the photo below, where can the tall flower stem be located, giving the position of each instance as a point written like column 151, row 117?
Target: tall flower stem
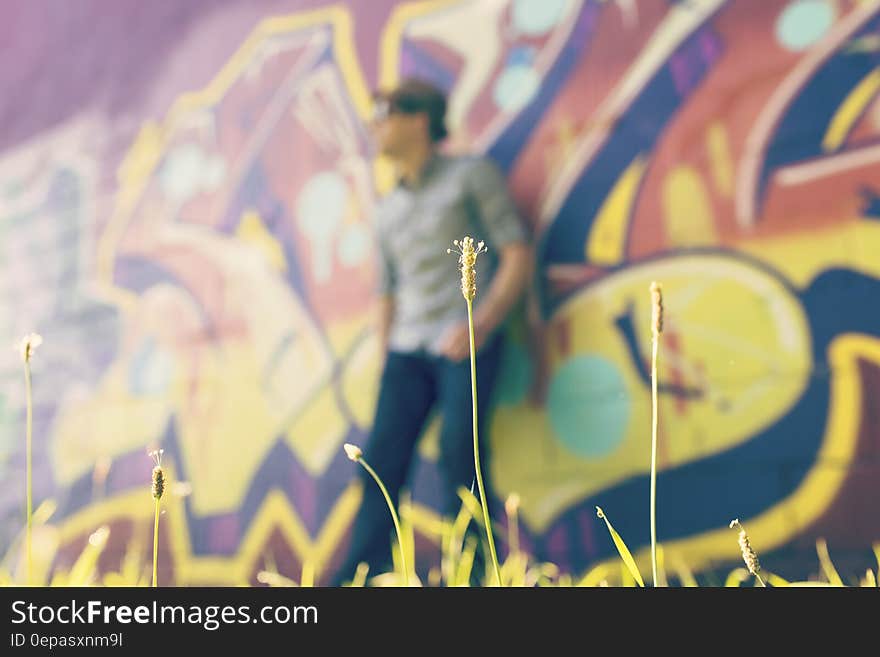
column 487, row 521
column 656, row 329
column 654, row 464
column 26, row 348
column 467, row 258
column 157, row 489
column 355, row 454
column 156, row 543
column 28, row 537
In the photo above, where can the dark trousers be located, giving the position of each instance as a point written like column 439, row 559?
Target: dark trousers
column 411, row 387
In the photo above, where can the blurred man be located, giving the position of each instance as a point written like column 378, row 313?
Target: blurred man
column 423, row 325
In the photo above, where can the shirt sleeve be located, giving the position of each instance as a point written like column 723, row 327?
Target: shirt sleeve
column 387, row 276
column 496, row 211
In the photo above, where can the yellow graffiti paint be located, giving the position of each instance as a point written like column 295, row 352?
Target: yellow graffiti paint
column 393, row 35
column 389, row 66
column 360, row 373
column 317, row 433
column 223, row 447
column 850, row 110
column 720, row 159
column 275, row 514
column 383, row 175
column 140, row 162
column 687, row 211
column 605, row 245
column 809, row 501
column 109, row 423
column 231, row 375
column 251, row 230
column 741, row 339
column 802, row 255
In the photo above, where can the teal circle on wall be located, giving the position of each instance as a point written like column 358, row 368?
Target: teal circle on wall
column 515, row 87
column 535, row 17
column 589, row 406
column 804, row 22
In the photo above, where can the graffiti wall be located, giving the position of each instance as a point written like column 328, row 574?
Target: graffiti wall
column 186, row 193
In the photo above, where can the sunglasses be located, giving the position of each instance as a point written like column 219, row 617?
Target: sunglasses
column 382, row 109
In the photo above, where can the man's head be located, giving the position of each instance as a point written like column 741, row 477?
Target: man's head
column 411, row 115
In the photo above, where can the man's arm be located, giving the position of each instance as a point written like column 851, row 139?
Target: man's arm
column 502, row 227
column 505, row 230
column 510, row 280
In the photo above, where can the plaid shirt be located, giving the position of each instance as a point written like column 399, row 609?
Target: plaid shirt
column 455, row 196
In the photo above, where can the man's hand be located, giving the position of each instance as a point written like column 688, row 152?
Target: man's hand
column 456, row 343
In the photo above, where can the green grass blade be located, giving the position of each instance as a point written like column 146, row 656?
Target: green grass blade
column 595, row 575
column 622, row 549
column 825, row 560
column 736, row 577
column 466, row 562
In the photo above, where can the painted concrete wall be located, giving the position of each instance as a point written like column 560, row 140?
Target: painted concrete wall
column 185, row 201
